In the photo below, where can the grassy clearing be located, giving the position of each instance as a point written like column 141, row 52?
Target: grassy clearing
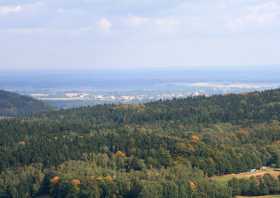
column 259, row 173
column 268, row 196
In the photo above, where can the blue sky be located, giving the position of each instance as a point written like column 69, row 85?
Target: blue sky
column 104, row 34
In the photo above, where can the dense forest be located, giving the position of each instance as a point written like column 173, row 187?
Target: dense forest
column 12, row 104
column 162, row 149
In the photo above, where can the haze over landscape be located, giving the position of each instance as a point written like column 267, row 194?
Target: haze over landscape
column 68, row 89
column 139, row 99
column 163, row 46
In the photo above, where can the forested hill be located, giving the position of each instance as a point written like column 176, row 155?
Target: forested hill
column 12, row 104
column 161, row 149
column 233, row 108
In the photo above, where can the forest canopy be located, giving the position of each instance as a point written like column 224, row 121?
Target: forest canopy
column 160, row 149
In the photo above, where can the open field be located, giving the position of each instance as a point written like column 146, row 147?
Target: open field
column 259, row 173
column 267, row 196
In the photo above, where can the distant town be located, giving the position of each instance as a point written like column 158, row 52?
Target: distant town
column 88, row 96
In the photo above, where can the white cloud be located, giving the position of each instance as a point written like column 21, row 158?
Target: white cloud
column 154, row 24
column 26, row 8
column 167, row 22
column 259, row 15
column 73, row 11
column 9, row 9
column 137, row 20
column 104, row 24
column 24, row 31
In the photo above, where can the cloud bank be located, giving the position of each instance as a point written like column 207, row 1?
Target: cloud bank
column 101, row 34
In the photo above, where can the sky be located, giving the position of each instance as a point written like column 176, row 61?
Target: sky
column 127, row 34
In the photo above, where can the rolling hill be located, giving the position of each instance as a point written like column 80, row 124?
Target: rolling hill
column 13, row 104
column 161, row 149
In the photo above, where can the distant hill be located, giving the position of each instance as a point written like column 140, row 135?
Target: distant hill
column 13, row 104
column 232, row 108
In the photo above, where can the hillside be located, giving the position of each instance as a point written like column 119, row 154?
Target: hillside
column 159, row 149
column 12, row 104
column 232, row 108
